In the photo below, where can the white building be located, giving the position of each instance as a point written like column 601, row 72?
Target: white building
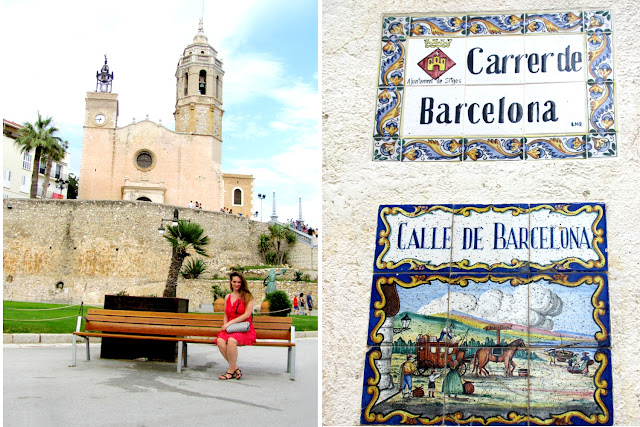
column 17, row 168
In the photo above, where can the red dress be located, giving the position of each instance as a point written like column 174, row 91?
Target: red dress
column 233, row 310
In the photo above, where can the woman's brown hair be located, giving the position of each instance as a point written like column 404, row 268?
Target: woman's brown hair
column 245, row 293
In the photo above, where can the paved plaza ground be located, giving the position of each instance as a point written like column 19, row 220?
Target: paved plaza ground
column 41, row 389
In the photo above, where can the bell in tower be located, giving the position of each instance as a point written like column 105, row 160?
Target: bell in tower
column 199, row 88
column 103, row 78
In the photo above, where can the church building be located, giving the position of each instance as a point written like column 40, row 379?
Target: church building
column 146, row 161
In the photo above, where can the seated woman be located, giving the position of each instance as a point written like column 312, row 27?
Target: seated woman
column 238, row 306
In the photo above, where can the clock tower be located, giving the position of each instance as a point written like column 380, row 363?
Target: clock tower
column 102, row 105
column 100, row 122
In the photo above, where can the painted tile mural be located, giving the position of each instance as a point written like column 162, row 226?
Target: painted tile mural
column 510, row 336
column 522, row 86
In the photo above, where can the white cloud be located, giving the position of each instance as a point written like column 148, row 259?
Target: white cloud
column 497, row 306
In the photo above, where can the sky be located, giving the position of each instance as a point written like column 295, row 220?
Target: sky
column 575, row 314
column 269, row 50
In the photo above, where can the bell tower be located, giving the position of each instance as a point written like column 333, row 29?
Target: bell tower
column 199, row 89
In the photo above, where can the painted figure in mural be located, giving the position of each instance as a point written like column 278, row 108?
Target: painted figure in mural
column 447, row 331
column 452, row 383
column 270, row 280
column 585, row 363
column 552, row 356
column 406, row 370
column 583, row 367
column 432, row 383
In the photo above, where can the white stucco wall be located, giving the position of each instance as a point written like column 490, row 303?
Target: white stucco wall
column 354, row 187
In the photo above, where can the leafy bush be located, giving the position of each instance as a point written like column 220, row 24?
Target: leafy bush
column 219, row 292
column 279, row 303
column 264, row 245
column 306, row 278
column 271, row 258
column 297, row 275
column 193, row 269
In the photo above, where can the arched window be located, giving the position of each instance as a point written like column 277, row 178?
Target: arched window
column 144, row 199
column 217, row 82
column 237, row 197
column 186, row 82
column 202, row 82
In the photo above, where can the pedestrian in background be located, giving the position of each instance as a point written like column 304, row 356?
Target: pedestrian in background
column 309, row 302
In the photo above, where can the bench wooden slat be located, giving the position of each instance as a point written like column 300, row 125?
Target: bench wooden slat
column 165, row 315
column 192, row 316
column 135, row 328
column 156, row 321
column 176, row 339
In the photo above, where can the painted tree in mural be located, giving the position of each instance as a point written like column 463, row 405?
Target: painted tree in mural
column 42, row 137
column 184, row 237
column 54, row 154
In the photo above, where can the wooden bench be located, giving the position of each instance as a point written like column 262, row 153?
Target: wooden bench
column 181, row 328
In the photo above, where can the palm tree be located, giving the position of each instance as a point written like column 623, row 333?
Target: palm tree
column 54, row 154
column 183, row 237
column 283, row 237
column 40, row 136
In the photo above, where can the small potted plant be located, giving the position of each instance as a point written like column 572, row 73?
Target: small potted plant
column 218, row 297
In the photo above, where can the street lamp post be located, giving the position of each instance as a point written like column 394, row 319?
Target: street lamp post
column 61, row 184
column 261, row 197
column 173, row 221
column 405, row 322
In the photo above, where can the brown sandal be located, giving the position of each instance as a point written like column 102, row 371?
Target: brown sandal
column 237, row 374
column 227, row 376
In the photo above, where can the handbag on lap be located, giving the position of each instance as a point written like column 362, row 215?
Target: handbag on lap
column 238, row 327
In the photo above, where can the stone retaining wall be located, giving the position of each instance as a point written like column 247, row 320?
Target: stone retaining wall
column 71, row 251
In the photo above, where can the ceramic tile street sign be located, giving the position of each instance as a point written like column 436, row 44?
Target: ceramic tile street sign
column 498, row 238
column 519, row 86
column 489, row 315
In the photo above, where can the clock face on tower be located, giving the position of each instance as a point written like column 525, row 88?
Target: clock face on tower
column 100, row 119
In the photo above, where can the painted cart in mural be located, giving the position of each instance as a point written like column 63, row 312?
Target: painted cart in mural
column 432, row 354
column 517, row 337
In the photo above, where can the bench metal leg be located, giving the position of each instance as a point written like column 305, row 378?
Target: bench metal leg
column 73, row 349
column 291, row 356
column 179, row 356
column 186, row 353
column 292, row 363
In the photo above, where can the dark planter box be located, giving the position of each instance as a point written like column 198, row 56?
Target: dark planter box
column 120, row 348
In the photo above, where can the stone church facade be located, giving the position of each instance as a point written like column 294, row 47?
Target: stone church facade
column 147, row 162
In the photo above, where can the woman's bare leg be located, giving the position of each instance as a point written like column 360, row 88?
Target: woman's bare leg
column 232, row 354
column 222, row 346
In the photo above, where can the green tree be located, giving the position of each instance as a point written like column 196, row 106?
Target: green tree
column 183, row 237
column 72, row 190
column 264, row 245
column 282, row 238
column 39, row 136
column 55, row 153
